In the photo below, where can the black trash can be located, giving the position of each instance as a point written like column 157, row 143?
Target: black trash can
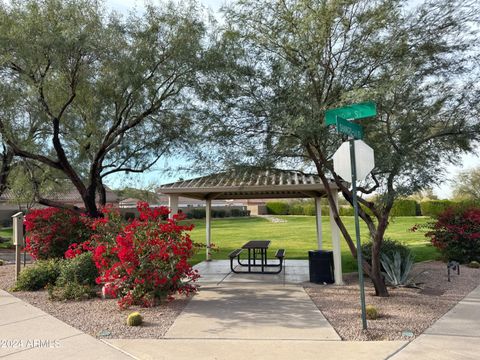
column 321, row 266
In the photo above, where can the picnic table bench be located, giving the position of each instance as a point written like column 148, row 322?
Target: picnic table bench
column 254, row 248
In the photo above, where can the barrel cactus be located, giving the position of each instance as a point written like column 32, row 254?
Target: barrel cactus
column 474, row 264
column 134, row 319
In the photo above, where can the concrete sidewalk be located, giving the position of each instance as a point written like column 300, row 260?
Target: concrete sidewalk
column 29, row 333
column 252, row 312
column 456, row 335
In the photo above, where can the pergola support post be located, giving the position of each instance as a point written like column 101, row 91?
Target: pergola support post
column 208, row 227
column 337, row 253
column 318, row 213
column 173, row 205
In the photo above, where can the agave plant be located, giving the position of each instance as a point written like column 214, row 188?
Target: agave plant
column 398, row 269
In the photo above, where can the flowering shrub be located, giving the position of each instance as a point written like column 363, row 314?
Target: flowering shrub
column 456, row 233
column 147, row 261
column 103, row 230
column 50, row 232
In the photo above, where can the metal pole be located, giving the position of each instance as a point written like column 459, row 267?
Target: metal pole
column 357, row 232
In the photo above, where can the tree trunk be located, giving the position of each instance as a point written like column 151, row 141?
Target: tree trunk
column 89, row 199
column 377, row 240
column 102, row 194
column 7, row 159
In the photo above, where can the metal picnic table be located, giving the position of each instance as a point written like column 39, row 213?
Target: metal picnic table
column 254, row 248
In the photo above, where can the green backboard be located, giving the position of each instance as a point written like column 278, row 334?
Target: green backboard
column 351, row 112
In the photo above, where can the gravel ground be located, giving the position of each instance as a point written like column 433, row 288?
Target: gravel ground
column 100, row 318
column 407, row 309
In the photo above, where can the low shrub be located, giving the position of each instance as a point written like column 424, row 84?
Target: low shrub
column 389, row 247
column 456, row 233
column 277, row 207
column 80, row 269
column 71, row 291
column 50, row 232
column 39, row 275
column 371, row 312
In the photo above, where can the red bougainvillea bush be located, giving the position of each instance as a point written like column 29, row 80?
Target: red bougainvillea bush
column 147, row 261
column 456, row 233
column 51, row 231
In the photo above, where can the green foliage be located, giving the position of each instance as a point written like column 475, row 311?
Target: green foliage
column 346, row 210
column 296, row 209
column 219, row 213
column 71, row 291
column 80, row 269
column 278, row 208
column 389, row 248
column 404, row 207
column 371, row 312
column 99, row 81
column 397, row 269
column 434, row 208
column 198, row 213
column 134, row 319
column 1, row 262
column 39, row 275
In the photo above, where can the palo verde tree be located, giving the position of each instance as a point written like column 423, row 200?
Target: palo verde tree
column 281, row 64
column 101, row 94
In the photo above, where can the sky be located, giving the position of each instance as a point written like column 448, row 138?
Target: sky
column 156, row 176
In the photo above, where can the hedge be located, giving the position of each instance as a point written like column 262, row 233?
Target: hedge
column 277, row 208
column 434, row 208
column 404, row 208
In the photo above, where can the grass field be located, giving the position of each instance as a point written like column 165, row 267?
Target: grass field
column 6, row 233
column 298, row 235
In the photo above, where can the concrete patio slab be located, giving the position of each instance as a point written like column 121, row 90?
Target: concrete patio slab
column 252, row 312
column 218, row 271
column 256, row 349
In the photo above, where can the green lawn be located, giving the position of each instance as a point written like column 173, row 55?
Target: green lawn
column 6, row 233
column 298, row 235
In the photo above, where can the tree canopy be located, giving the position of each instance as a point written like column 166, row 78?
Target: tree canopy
column 281, row 64
column 96, row 93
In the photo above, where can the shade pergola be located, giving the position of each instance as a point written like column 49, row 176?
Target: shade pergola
column 254, row 184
